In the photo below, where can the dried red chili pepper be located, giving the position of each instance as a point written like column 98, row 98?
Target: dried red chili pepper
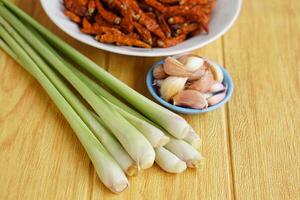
column 141, row 23
column 86, row 24
column 163, row 25
column 75, row 7
column 171, row 41
column 121, row 40
column 107, row 15
column 73, row 16
column 187, row 28
column 193, row 2
column 176, row 20
column 143, row 32
column 91, row 7
column 169, row 1
column 157, row 5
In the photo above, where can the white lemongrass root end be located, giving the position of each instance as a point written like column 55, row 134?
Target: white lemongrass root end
column 196, row 163
column 119, row 187
column 175, row 125
column 193, row 139
column 109, row 172
column 184, row 151
column 147, row 160
column 163, row 141
column 133, row 170
column 168, row 161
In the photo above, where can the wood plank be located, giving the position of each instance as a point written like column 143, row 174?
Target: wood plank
column 210, row 182
column 40, row 156
column 262, row 54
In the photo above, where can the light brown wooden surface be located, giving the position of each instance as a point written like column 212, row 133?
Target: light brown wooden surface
column 251, row 145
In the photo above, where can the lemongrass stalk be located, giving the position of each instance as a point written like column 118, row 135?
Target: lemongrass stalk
column 102, row 92
column 185, row 152
column 6, row 49
column 107, row 169
column 170, row 121
column 168, row 161
column 153, row 134
column 131, row 139
column 110, row 143
column 193, row 139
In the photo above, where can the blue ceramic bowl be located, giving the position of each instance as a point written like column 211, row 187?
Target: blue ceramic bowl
column 152, row 89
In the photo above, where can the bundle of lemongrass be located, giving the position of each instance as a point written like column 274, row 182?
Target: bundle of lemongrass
column 118, row 139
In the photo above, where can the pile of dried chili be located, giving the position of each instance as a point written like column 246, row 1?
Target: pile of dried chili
column 141, row 23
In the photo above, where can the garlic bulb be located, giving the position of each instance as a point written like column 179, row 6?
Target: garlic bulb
column 171, row 86
column 159, row 73
column 173, row 67
column 217, row 72
column 216, row 98
column 190, row 98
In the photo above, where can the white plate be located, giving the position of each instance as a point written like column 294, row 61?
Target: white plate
column 223, row 17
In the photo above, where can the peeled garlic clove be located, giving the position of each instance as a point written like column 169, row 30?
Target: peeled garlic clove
column 159, row 73
column 171, row 86
column 203, row 84
column 191, row 99
column 216, row 98
column 216, row 87
column 217, row 72
column 173, row 67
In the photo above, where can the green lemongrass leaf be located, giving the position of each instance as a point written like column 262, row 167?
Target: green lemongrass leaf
column 170, row 121
column 131, row 139
column 107, row 169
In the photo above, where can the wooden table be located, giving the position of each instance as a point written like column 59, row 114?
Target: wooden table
column 251, row 145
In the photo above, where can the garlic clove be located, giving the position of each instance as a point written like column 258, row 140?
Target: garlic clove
column 204, row 83
column 198, row 73
column 216, row 87
column 207, row 95
column 217, row 72
column 184, row 58
column 159, row 73
column 173, row 67
column 191, row 99
column 171, row 86
column 191, row 62
column 215, row 99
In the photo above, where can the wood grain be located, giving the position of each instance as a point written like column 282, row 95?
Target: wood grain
column 251, row 145
column 264, row 117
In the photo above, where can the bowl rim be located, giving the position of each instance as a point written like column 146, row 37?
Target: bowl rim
column 145, row 53
column 182, row 110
